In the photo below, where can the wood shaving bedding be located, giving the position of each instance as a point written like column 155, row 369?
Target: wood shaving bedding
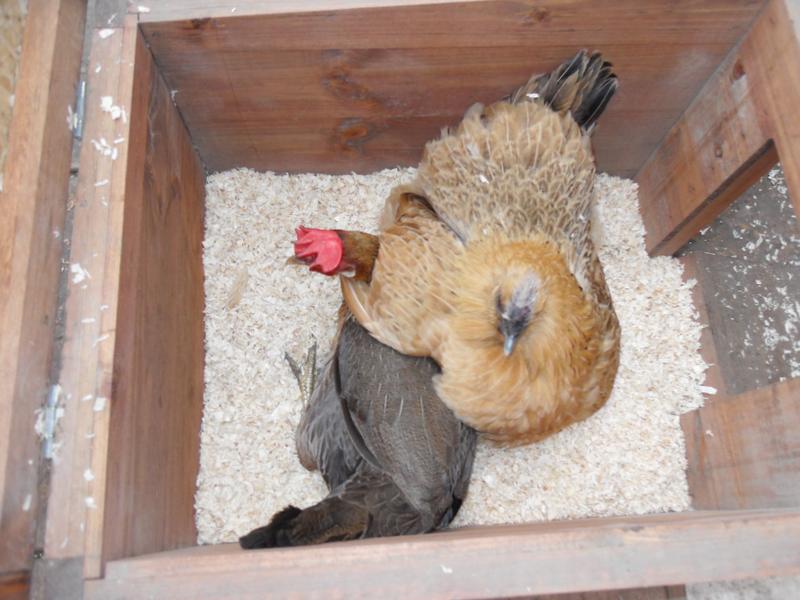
column 629, row 458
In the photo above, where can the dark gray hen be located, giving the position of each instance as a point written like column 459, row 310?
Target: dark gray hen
column 394, row 457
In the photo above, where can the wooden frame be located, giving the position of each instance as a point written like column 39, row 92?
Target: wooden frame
column 34, row 201
column 120, row 521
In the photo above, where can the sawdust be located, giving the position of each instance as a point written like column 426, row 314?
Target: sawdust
column 627, row 459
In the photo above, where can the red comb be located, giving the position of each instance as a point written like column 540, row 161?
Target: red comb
column 321, row 249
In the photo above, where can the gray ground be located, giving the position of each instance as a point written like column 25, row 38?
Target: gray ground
column 749, row 268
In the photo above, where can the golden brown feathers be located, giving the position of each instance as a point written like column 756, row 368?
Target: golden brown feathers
column 502, row 201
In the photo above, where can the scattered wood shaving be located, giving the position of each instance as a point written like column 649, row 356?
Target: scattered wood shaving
column 26, row 504
column 707, row 389
column 106, row 33
column 629, row 458
column 78, row 273
column 102, row 338
column 99, row 403
column 88, row 475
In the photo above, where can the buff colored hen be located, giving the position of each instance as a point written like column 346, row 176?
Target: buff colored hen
column 486, row 262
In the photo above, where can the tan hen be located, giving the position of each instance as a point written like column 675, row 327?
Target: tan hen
column 486, row 263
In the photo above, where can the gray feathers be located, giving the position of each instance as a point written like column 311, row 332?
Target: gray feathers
column 394, row 457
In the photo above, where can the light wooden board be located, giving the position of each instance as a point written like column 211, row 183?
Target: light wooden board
column 353, row 90
column 728, row 137
column 744, row 451
column 201, row 9
column 77, row 485
column 33, row 204
column 544, row 558
column 124, row 482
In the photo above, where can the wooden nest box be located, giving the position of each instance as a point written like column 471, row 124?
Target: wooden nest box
column 708, row 102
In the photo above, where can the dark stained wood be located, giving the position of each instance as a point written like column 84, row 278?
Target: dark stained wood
column 33, row 203
column 544, row 558
column 157, row 397
column 744, row 451
column 138, row 232
column 358, row 90
column 676, row 592
column 15, row 585
column 728, row 137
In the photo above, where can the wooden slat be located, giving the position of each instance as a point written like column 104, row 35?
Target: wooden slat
column 543, row 558
column 675, row 592
column 203, row 9
column 157, row 397
column 75, row 519
column 727, row 138
column 15, row 585
column 349, row 90
column 135, row 327
column 33, row 204
column 744, row 451
column 773, row 57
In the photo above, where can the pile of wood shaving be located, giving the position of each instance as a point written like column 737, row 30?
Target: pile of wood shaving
column 627, row 459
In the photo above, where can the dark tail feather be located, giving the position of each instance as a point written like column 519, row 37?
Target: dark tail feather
column 583, row 86
column 328, row 521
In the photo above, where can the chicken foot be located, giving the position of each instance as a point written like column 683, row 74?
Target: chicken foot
column 306, row 375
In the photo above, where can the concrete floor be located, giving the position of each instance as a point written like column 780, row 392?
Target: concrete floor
column 748, row 264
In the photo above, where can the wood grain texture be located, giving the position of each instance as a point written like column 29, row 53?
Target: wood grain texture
column 544, row 558
column 203, row 9
column 75, row 518
column 361, row 89
column 33, row 204
column 675, row 592
column 15, row 585
column 135, row 326
column 744, row 451
column 729, row 135
column 157, row 398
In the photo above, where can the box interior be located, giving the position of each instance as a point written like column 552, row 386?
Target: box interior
column 329, row 92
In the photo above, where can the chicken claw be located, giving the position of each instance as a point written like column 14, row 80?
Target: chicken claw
column 306, row 375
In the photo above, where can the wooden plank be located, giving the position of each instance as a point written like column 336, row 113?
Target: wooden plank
column 348, row 90
column 773, row 58
column 33, row 200
column 159, row 357
column 675, row 592
column 77, row 485
column 135, row 326
column 744, row 451
column 15, row 585
column 203, row 9
column 728, row 137
column 543, row 558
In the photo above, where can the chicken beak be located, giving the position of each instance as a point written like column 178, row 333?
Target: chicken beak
column 509, row 343
column 294, row 261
